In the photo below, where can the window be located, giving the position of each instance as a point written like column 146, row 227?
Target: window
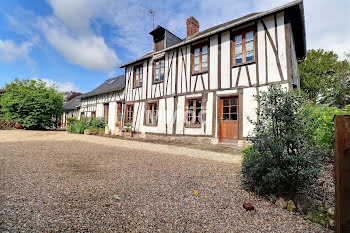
column 138, row 76
column 200, row 58
column 128, row 113
column 119, row 112
column 158, row 71
column 193, row 110
column 230, row 109
column 105, row 112
column 243, row 47
column 152, row 114
column 93, row 114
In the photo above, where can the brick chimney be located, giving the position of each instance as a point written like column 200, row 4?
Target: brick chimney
column 192, row 26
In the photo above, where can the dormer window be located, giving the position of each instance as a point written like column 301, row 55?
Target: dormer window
column 200, row 58
column 158, row 75
column 244, row 47
column 138, row 76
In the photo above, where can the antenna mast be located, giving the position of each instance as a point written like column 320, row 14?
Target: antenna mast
column 151, row 12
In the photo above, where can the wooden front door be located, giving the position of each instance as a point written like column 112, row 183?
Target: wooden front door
column 105, row 112
column 228, row 119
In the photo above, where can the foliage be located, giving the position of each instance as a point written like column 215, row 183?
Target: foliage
column 32, row 103
column 71, row 95
column 320, row 118
column 318, row 84
column 97, row 123
column 71, row 120
column 283, row 158
column 94, row 124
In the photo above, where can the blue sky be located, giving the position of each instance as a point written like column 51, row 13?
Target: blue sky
column 77, row 44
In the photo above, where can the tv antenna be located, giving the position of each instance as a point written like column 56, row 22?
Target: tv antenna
column 151, row 12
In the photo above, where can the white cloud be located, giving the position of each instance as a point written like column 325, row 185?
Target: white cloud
column 61, row 86
column 11, row 52
column 89, row 51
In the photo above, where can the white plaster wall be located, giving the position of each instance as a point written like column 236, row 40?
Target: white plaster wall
column 213, row 61
column 261, row 53
column 112, row 115
column 209, row 114
column 249, row 110
column 225, row 59
column 282, row 43
column 180, row 116
column 99, row 110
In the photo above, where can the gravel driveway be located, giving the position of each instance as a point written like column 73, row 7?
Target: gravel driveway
column 54, row 181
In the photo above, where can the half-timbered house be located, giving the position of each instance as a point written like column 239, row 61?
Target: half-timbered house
column 105, row 101
column 204, row 85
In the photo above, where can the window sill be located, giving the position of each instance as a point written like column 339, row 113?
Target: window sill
column 137, row 86
column 158, row 82
column 193, row 126
column 243, row 64
column 198, row 73
column 151, row 125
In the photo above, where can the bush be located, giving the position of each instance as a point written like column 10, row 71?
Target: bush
column 71, row 120
column 321, row 121
column 94, row 124
column 283, row 158
column 97, row 123
column 32, row 103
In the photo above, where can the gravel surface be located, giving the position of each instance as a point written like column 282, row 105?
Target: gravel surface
column 54, row 181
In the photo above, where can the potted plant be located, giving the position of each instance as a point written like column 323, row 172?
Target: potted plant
column 117, row 129
column 127, row 131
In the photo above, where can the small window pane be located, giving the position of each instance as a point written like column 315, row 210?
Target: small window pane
column 204, row 66
column 157, row 65
column 204, row 49
column 196, row 68
column 238, row 39
column 234, row 101
column 226, row 110
column 196, row 52
column 249, row 36
column 204, row 58
column 162, row 63
column 233, row 109
column 162, row 77
column 226, row 102
column 198, row 103
column 226, row 116
column 196, row 61
column 234, row 117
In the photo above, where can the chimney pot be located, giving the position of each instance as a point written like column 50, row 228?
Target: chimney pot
column 192, row 26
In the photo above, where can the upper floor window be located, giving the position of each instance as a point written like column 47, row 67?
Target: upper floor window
column 200, row 58
column 138, row 76
column 193, row 111
column 158, row 70
column 244, row 47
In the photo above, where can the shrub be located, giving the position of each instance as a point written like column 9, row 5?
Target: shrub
column 32, row 103
column 71, row 120
column 77, row 127
column 321, row 121
column 283, row 158
column 97, row 123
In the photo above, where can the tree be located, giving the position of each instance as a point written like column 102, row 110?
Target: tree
column 32, row 103
column 318, row 81
column 71, row 95
column 283, row 158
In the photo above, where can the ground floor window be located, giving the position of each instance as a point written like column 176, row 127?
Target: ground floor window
column 152, row 114
column 105, row 112
column 119, row 111
column 129, row 113
column 193, row 111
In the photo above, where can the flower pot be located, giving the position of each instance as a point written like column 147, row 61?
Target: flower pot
column 127, row 134
column 117, row 131
column 18, row 125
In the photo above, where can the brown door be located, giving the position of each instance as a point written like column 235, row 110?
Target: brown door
column 228, row 119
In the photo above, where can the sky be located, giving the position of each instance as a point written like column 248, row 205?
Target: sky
column 78, row 44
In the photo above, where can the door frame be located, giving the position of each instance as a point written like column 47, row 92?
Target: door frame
column 239, row 94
